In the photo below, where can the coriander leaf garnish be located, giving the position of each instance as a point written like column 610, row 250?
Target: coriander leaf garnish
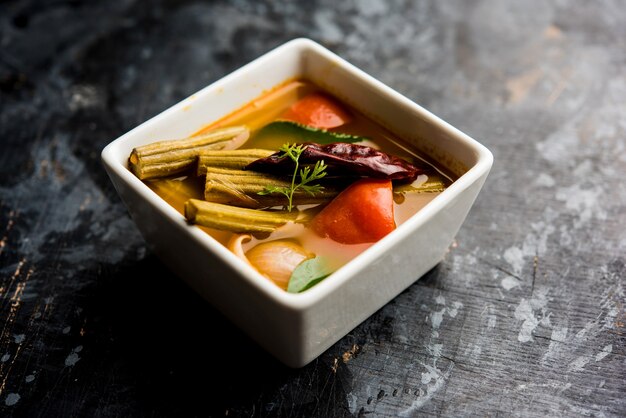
column 307, row 176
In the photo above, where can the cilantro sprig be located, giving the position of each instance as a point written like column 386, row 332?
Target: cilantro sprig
column 293, row 152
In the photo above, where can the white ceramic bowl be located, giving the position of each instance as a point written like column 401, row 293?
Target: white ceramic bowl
column 296, row 328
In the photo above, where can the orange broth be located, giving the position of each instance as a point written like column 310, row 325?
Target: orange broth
column 268, row 108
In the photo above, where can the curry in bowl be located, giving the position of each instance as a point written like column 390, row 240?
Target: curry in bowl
column 296, row 183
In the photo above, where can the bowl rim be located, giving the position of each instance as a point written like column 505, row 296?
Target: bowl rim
column 304, row 300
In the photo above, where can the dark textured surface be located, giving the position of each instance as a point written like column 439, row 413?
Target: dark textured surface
column 524, row 317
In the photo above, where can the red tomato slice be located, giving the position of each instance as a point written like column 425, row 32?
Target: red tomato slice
column 360, row 214
column 317, row 110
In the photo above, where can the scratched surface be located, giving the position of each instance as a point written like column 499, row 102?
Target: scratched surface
column 524, row 317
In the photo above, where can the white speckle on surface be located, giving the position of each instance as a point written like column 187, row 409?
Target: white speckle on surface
column 84, row 96
column 29, row 378
column 436, row 381
column 566, row 237
column 582, row 334
column 328, row 28
column 584, row 202
column 489, row 314
column 558, row 386
column 579, row 364
column 515, row 257
column 372, row 7
column 19, row 338
column 436, row 318
column 474, row 352
column 471, row 260
column 454, row 310
column 535, row 242
column 545, row 180
column 525, row 312
column 440, row 300
column 351, row 399
column 66, row 330
column 584, row 412
column 559, row 334
column 146, row 53
column 368, row 391
column 610, row 303
column 460, row 264
column 12, row 399
column 509, row 283
column 611, row 314
column 605, row 352
column 5, row 358
column 428, row 376
column 435, row 350
column 583, row 169
column 561, row 145
column 477, row 351
column 73, row 357
column 402, row 335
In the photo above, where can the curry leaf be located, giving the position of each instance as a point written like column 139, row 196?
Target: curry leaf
column 296, row 132
column 308, row 273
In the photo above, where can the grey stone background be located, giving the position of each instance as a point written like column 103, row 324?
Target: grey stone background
column 524, row 317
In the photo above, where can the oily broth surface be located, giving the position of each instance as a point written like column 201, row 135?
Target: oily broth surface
column 259, row 113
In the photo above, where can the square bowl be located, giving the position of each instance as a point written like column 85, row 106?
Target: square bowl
column 296, row 328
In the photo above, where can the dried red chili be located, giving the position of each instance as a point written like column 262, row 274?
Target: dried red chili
column 343, row 159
